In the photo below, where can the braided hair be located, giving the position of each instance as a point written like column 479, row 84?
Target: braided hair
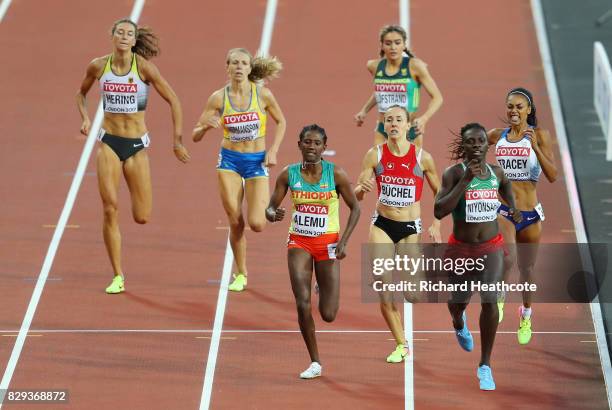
column 456, row 145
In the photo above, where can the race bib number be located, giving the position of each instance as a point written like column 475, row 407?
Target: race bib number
column 242, row 127
column 120, row 98
column 388, row 95
column 513, row 161
column 399, row 196
column 331, row 250
column 481, row 205
column 310, row 219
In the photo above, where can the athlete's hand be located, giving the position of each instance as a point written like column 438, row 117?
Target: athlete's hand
column 434, row 231
column 341, row 250
column 181, row 153
column 473, row 168
column 419, row 125
column 360, row 118
column 533, row 137
column 275, row 216
column 212, row 121
column 517, row 216
column 367, row 185
column 85, row 126
column 270, row 159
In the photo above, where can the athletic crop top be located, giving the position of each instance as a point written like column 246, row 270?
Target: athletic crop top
column 398, row 89
column 399, row 179
column 315, row 206
column 248, row 125
column 517, row 159
column 480, row 201
column 123, row 94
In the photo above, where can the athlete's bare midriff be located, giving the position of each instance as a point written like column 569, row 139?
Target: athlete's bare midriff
column 125, row 125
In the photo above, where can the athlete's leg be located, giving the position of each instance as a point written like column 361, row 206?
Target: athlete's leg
column 300, row 273
column 489, row 313
column 257, row 196
column 108, row 168
column 230, row 188
column 528, row 239
column 328, row 278
column 138, row 177
column 381, row 246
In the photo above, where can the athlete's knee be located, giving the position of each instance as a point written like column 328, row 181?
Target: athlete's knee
column 111, row 211
column 329, row 314
column 141, row 218
column 303, row 305
column 236, row 223
column 257, row 225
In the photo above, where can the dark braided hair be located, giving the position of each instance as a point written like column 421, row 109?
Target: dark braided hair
column 531, row 118
column 393, row 28
column 147, row 43
column 313, row 128
column 456, row 145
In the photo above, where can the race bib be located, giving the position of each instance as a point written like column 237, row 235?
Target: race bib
column 538, row 208
column 481, row 205
column 513, row 161
column 397, row 191
column 120, row 98
column 390, row 94
column 243, row 126
column 310, row 220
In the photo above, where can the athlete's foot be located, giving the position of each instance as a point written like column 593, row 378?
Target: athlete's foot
column 464, row 337
column 398, row 355
column 485, row 378
column 524, row 330
column 239, row 283
column 116, row 286
column 313, row 371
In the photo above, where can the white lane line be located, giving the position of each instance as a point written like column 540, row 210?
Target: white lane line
column 57, row 236
column 572, row 189
column 404, row 14
column 213, row 350
column 3, row 8
column 268, row 28
column 339, row 331
column 404, row 18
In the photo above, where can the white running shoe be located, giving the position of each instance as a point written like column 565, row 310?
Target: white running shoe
column 314, row 370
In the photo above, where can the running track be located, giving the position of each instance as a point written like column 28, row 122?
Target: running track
column 173, row 264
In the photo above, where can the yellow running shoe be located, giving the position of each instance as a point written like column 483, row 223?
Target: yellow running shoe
column 116, row 286
column 524, row 330
column 398, row 355
column 239, row 283
column 500, row 309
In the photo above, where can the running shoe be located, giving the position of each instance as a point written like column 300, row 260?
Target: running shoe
column 485, row 377
column 313, row 371
column 116, row 286
column 239, row 283
column 398, row 355
column 500, row 309
column 524, row 330
column 464, row 337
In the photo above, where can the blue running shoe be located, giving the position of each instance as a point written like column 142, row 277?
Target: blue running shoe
column 464, row 337
column 486, row 378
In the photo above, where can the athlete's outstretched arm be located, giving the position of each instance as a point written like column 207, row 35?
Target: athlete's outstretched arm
column 453, row 187
column 505, row 190
column 152, row 75
column 210, row 117
column 273, row 212
column 275, row 111
column 364, row 183
column 91, row 74
column 419, row 68
column 431, row 174
column 343, row 186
